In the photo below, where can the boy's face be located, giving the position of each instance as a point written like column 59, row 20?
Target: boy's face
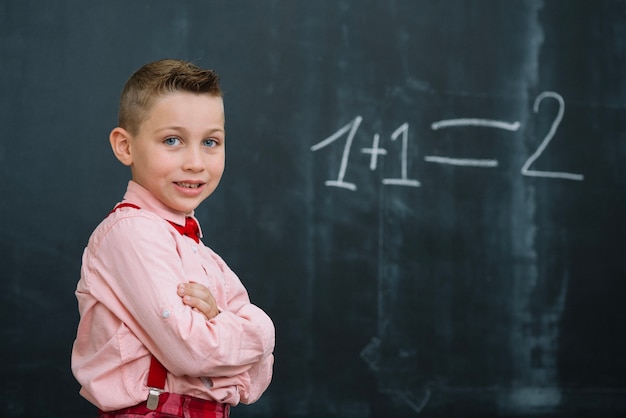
column 179, row 152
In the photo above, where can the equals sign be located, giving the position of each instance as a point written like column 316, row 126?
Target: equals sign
column 455, row 123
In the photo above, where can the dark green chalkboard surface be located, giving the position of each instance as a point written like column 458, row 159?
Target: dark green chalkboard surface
column 428, row 197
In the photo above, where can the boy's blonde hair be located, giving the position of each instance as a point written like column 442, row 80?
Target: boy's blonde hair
column 158, row 79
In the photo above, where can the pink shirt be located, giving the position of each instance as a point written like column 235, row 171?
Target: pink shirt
column 129, row 308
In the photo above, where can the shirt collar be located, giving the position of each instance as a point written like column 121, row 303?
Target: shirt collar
column 140, row 196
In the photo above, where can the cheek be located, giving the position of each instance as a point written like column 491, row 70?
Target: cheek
column 217, row 167
column 161, row 166
column 153, row 171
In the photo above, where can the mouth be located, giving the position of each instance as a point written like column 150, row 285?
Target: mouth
column 188, row 185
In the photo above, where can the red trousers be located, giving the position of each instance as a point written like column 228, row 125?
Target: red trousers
column 172, row 405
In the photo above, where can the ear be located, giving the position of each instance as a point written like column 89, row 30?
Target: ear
column 120, row 143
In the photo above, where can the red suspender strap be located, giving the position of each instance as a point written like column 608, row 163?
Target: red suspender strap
column 157, row 373
column 124, row 205
column 156, row 383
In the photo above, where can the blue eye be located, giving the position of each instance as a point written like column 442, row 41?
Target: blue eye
column 171, row 141
column 210, row 143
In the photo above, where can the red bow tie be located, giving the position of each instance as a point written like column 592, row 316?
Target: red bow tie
column 190, row 229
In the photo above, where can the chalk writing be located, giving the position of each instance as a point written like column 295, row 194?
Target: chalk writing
column 352, row 127
column 376, row 151
column 546, row 141
column 402, row 181
column 470, row 162
column 514, row 126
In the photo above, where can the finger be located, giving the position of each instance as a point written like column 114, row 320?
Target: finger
column 195, row 289
column 199, row 297
column 208, row 307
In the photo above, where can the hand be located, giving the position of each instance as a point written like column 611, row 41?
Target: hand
column 199, row 297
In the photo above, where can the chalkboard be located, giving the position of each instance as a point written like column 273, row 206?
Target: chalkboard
column 427, row 197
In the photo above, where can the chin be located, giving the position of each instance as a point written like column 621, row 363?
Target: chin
column 186, row 209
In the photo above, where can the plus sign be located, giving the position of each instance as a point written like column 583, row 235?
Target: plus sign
column 375, row 151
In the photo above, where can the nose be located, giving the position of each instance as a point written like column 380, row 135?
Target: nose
column 193, row 160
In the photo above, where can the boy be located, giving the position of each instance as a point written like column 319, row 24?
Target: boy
column 166, row 328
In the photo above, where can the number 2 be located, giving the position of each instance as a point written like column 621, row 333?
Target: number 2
column 546, row 140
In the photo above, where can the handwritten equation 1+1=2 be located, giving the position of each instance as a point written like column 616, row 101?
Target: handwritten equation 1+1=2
column 375, row 151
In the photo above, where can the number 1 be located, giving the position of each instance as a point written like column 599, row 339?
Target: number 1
column 352, row 127
column 403, row 181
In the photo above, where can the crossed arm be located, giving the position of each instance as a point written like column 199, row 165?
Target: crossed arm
column 199, row 298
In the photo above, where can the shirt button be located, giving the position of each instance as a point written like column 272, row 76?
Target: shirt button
column 194, row 249
column 165, row 314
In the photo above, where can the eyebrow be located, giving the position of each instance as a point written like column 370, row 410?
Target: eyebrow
column 182, row 129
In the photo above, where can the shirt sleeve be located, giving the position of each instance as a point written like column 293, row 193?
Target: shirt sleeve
column 139, row 264
column 250, row 385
